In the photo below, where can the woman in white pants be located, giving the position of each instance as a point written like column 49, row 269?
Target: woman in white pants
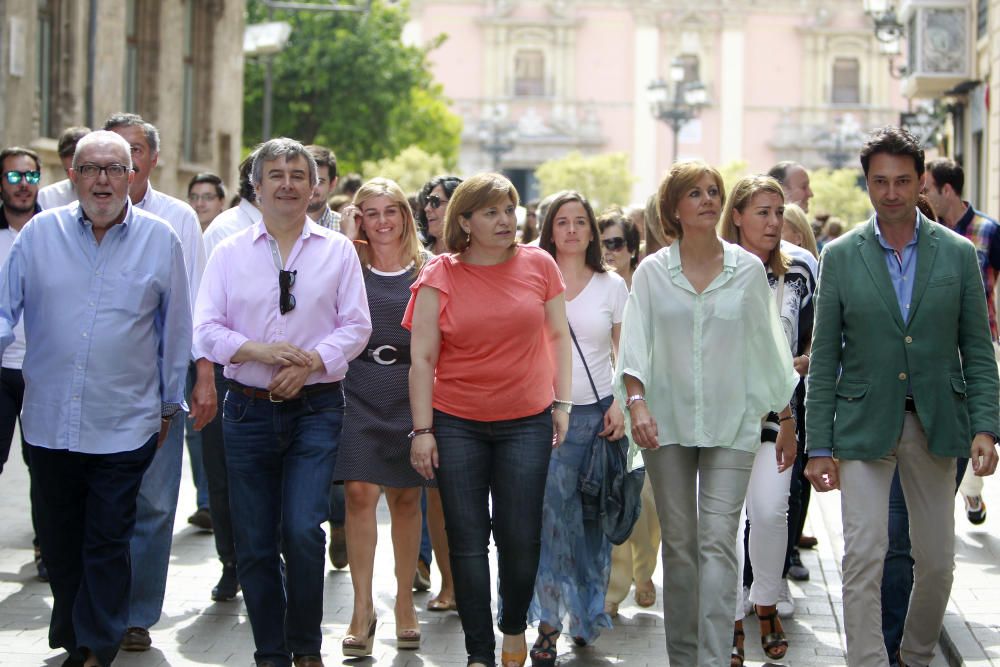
column 703, row 360
column 753, row 218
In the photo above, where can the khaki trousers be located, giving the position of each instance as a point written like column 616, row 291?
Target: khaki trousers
column 929, row 486
column 699, row 494
column 635, row 560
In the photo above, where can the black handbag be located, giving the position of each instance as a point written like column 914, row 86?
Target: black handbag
column 605, row 481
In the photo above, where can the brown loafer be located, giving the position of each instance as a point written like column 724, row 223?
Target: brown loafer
column 136, row 639
column 307, row 661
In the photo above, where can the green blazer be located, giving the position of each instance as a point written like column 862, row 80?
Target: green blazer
column 864, row 356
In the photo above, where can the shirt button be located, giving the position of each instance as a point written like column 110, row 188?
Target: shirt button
column 902, row 376
column 84, row 334
column 91, row 303
column 908, row 339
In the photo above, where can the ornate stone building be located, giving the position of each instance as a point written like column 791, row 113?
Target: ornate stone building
column 534, row 79
column 178, row 63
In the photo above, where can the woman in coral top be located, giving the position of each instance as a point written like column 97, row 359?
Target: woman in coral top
column 489, row 345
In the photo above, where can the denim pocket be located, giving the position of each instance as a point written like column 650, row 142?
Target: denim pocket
column 234, row 407
column 324, row 401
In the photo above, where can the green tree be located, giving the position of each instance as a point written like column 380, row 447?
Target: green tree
column 837, row 192
column 604, row 179
column 347, row 81
column 410, row 169
column 733, row 171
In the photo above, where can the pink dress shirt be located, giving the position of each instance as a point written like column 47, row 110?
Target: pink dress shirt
column 238, row 302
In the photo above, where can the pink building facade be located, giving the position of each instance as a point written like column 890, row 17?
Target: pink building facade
column 533, row 80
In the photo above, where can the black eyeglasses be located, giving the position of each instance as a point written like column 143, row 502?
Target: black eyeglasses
column 92, row 171
column 31, row 177
column 436, row 202
column 286, row 301
column 616, row 243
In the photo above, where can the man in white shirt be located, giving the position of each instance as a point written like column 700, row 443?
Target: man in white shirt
column 62, row 192
column 157, row 503
column 235, row 219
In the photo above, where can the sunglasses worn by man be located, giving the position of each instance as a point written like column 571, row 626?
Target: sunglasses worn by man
column 30, row 177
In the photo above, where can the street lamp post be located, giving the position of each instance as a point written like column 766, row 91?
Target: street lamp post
column 496, row 136
column 687, row 101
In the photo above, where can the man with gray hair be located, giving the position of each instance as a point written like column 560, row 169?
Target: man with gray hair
column 283, row 307
column 103, row 291
column 160, row 485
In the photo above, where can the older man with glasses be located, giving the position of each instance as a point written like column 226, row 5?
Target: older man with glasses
column 283, row 307
column 104, row 295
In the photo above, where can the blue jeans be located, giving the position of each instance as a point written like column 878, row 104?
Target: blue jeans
column 280, row 458
column 426, row 554
column 507, row 461
column 86, row 506
column 194, row 448
column 154, row 528
column 897, row 574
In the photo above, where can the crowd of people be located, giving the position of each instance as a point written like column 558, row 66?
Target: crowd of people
column 463, row 355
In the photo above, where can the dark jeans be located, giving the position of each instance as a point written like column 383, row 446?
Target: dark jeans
column 86, row 505
column 280, row 458
column 213, row 455
column 507, row 461
column 897, row 574
column 426, row 553
column 11, row 398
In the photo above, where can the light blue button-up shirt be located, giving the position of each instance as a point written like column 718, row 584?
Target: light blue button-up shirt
column 902, row 268
column 108, row 328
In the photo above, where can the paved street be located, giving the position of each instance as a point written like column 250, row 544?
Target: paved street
column 196, row 631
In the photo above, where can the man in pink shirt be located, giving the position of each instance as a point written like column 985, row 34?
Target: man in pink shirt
column 283, row 307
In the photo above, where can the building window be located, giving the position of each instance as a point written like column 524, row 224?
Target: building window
column 689, row 63
column 529, row 73
column 142, row 57
column 54, row 49
column 982, row 18
column 846, row 81
column 200, row 19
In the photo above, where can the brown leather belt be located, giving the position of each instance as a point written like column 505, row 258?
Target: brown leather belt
column 264, row 394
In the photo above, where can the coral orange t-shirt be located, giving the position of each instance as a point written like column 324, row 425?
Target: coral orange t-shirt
column 494, row 363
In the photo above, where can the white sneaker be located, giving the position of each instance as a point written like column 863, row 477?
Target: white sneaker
column 747, row 605
column 786, row 603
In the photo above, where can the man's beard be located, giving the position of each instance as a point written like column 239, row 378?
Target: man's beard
column 316, row 207
column 9, row 204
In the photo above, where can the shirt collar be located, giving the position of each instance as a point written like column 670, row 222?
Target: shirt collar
column 250, row 210
column 729, row 257
column 308, row 229
column 881, row 240
column 963, row 223
column 85, row 222
column 148, row 197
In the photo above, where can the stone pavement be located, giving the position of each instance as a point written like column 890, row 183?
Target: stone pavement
column 196, row 631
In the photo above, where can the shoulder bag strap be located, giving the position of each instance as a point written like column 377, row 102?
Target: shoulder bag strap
column 585, row 367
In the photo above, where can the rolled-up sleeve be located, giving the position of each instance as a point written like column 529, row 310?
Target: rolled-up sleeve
column 354, row 322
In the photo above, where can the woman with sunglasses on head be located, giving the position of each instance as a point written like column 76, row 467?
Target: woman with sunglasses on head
column 753, row 218
column 490, row 390
column 703, row 360
column 576, row 555
column 374, row 450
column 433, row 202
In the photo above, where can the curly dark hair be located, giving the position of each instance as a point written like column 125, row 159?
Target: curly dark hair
column 893, row 141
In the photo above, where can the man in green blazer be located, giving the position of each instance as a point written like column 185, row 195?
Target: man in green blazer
column 902, row 374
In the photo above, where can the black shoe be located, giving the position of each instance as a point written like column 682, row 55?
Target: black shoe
column 43, row 572
column 201, row 519
column 228, row 586
column 136, row 639
column 797, row 570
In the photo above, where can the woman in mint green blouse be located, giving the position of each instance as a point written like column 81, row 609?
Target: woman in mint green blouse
column 703, row 360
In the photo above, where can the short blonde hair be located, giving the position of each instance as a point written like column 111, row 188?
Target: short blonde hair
column 796, row 218
column 682, row 177
column 743, row 193
column 410, row 250
column 480, row 191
